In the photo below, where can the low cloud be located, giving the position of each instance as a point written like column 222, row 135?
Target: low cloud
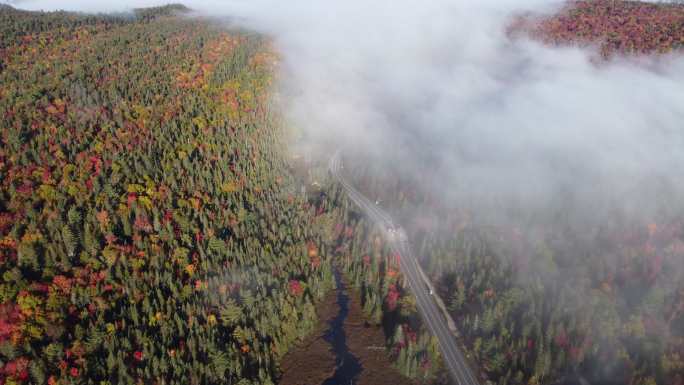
column 509, row 119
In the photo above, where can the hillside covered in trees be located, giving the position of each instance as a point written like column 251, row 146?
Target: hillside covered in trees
column 150, row 230
column 152, row 224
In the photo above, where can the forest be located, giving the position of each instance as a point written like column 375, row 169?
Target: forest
column 155, row 229
column 152, row 225
column 150, row 229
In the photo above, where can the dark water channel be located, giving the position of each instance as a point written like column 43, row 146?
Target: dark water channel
column 348, row 367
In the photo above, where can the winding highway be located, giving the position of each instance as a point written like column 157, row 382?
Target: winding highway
column 435, row 320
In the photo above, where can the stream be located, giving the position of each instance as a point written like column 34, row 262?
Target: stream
column 348, row 367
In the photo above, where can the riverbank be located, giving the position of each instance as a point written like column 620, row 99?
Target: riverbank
column 312, row 361
column 342, row 332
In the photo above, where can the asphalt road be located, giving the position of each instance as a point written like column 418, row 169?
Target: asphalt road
column 454, row 359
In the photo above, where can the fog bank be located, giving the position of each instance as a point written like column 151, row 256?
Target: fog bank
column 499, row 118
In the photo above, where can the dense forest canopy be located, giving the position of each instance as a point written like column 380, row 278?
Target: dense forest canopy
column 150, row 230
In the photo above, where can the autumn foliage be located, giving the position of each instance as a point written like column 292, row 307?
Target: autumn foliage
column 616, row 27
column 141, row 198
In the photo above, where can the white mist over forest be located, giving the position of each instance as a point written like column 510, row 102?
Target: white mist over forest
column 500, row 119
column 503, row 118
